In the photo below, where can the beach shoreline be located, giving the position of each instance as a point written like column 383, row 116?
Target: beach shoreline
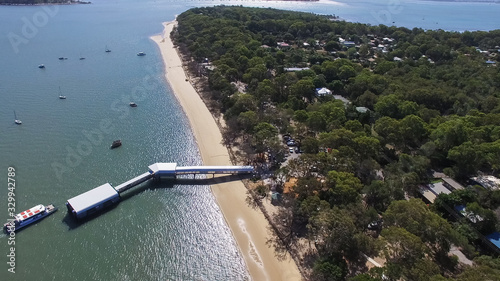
column 249, row 227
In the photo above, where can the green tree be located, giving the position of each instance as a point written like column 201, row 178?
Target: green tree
column 468, row 158
column 300, row 116
column 403, row 248
column 265, row 90
column 316, row 121
column 367, row 146
column 451, row 133
column 343, row 188
column 390, row 130
column 325, row 270
column 415, row 216
column 247, row 121
column 303, row 89
column 333, row 231
column 484, row 268
column 310, row 145
column 388, row 106
column 414, row 130
column 264, row 135
column 346, row 72
column 379, row 195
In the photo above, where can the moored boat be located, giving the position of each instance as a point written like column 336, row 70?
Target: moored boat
column 28, row 217
column 61, row 95
column 116, row 144
column 17, row 121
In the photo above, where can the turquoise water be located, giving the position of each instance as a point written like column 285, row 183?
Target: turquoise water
column 160, row 231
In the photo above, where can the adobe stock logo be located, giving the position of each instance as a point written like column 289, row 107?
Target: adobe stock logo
column 31, row 26
column 384, row 16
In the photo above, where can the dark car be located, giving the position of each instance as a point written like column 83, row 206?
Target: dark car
column 374, row 225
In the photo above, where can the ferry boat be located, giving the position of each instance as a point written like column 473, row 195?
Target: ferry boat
column 28, row 217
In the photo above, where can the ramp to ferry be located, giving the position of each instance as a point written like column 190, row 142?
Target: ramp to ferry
column 133, row 182
column 160, row 170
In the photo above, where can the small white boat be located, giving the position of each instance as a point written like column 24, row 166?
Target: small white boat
column 17, row 121
column 133, row 104
column 140, row 54
column 60, row 94
column 107, row 50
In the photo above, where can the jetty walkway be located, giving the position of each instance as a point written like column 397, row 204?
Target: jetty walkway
column 103, row 196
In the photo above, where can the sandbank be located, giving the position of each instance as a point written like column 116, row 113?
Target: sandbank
column 248, row 225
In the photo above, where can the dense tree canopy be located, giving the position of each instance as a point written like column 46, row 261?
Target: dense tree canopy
column 411, row 101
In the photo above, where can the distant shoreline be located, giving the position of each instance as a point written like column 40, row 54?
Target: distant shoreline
column 44, row 4
column 465, row 1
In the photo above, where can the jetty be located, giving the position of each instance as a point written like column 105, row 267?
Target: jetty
column 101, row 197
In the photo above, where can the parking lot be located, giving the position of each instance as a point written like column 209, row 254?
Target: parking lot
column 292, row 149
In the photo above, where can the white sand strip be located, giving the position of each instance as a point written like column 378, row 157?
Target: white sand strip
column 249, row 226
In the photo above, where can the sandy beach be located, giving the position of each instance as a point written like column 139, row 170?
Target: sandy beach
column 248, row 225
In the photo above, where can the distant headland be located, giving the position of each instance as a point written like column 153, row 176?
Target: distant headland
column 42, row 2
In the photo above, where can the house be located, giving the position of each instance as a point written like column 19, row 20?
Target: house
column 470, row 215
column 388, row 40
column 349, row 44
column 427, row 194
column 362, row 109
column 431, row 191
column 344, row 100
column 320, row 92
column 438, row 188
column 283, row 45
column 494, row 238
column 293, row 69
column 488, row 182
column 451, row 184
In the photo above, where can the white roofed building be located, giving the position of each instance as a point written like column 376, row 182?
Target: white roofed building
column 320, row 92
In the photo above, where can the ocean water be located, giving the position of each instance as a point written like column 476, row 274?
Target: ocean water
column 160, row 231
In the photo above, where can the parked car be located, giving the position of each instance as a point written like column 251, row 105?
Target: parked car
column 291, row 143
column 375, row 225
column 291, row 150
